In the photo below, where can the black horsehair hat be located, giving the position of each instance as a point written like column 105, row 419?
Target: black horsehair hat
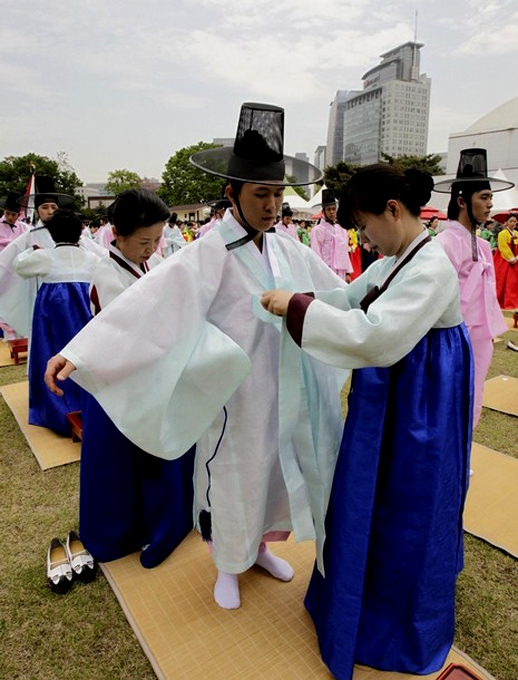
column 258, row 152
column 10, row 202
column 45, row 193
column 472, row 170
column 286, row 211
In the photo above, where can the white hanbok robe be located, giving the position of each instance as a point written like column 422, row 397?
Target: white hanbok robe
column 17, row 295
column 199, row 358
column 113, row 275
column 174, row 240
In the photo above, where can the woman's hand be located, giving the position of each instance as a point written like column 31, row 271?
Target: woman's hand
column 57, row 368
column 276, row 301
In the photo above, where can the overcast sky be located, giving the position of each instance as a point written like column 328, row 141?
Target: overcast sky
column 125, row 84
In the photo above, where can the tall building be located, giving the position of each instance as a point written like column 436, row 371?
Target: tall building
column 335, row 129
column 320, row 157
column 389, row 115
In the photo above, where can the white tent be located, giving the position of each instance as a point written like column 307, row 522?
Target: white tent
column 504, row 200
column 297, row 203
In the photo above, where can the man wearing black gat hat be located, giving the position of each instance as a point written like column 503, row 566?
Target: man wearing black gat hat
column 10, row 226
column 470, row 205
column 211, row 374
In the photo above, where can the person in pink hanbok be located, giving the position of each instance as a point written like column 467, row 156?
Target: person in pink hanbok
column 10, row 228
column 219, row 208
column 330, row 241
column 285, row 225
column 470, row 204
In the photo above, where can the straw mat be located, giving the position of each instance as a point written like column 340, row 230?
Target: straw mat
column 501, row 394
column 186, row 635
column 50, row 449
column 492, row 503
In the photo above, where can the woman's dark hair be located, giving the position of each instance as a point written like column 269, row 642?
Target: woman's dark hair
column 513, row 214
column 65, row 226
column 373, row 186
column 137, row 208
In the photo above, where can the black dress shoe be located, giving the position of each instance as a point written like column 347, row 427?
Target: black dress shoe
column 83, row 564
column 59, row 571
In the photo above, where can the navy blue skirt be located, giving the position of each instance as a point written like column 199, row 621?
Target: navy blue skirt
column 60, row 312
column 129, row 499
column 394, row 536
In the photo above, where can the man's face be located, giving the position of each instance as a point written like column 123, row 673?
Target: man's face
column 330, row 213
column 287, row 219
column 260, row 204
column 10, row 217
column 46, row 210
column 481, row 204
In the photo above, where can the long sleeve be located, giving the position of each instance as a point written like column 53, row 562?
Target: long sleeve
column 422, row 296
column 504, row 239
column 32, row 263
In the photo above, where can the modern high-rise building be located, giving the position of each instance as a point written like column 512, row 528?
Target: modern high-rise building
column 389, row 115
column 320, row 157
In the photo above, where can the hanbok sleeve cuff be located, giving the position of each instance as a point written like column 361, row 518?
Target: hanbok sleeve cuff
column 297, row 307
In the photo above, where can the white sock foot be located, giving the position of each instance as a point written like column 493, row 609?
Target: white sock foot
column 226, row 591
column 275, row 566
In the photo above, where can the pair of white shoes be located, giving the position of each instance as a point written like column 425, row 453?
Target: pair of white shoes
column 511, row 345
column 67, row 562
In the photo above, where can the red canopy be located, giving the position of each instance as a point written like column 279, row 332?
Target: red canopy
column 429, row 211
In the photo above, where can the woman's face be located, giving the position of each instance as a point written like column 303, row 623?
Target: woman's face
column 512, row 222
column 141, row 244
column 259, row 203
column 383, row 233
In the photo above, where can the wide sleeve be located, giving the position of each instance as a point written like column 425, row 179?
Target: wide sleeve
column 32, row 263
column 151, row 358
column 422, row 296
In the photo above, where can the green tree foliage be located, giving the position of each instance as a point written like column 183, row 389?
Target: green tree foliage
column 183, row 184
column 337, row 176
column 15, row 172
column 122, row 180
column 429, row 163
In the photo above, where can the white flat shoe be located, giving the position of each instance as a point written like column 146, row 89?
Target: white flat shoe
column 59, row 571
column 83, row 564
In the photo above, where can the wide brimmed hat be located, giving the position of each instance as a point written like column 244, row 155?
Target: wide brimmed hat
column 286, row 211
column 328, row 198
column 220, row 204
column 472, row 169
column 45, row 193
column 258, row 152
column 10, row 202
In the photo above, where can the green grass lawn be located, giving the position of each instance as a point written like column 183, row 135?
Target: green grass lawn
column 85, row 636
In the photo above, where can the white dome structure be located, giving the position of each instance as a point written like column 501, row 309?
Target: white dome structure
column 497, row 132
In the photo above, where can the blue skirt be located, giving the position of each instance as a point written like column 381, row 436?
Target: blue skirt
column 60, row 312
column 394, row 536
column 128, row 498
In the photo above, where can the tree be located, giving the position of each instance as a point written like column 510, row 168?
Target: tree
column 15, row 172
column 429, row 163
column 122, row 180
column 183, row 184
column 337, row 176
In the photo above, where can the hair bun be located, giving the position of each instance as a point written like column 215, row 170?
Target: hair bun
column 421, row 183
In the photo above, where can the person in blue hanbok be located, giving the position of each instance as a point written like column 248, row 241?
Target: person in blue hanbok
column 129, row 499
column 393, row 548
column 61, row 310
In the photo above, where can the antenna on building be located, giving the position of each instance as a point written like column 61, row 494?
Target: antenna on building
column 415, row 68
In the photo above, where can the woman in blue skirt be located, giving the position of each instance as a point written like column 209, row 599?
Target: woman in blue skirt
column 385, row 594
